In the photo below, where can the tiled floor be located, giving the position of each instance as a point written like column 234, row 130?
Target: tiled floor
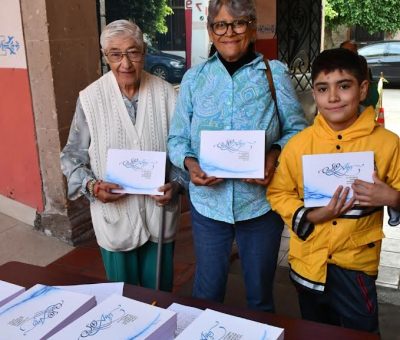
column 85, row 260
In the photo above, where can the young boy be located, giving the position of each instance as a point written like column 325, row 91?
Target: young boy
column 334, row 250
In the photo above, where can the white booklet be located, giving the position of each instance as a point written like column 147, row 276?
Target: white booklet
column 232, row 153
column 138, row 172
column 185, row 315
column 119, row 317
column 101, row 291
column 323, row 173
column 9, row 291
column 215, row 325
column 41, row 311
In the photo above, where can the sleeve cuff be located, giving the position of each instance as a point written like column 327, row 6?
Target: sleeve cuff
column 275, row 147
column 188, row 155
column 301, row 227
column 84, row 190
column 180, row 176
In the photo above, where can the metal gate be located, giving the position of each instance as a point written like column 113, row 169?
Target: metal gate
column 299, row 25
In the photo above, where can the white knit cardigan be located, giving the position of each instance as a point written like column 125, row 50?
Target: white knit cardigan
column 129, row 222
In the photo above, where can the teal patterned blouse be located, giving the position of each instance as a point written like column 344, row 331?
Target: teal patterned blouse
column 210, row 99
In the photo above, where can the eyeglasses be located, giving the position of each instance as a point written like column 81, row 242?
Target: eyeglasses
column 116, row 56
column 238, row 26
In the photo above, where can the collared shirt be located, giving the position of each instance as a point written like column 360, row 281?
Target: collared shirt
column 75, row 162
column 211, row 99
column 131, row 106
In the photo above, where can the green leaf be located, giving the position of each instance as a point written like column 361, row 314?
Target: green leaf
column 149, row 15
column 372, row 15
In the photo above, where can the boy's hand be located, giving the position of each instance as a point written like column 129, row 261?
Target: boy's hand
column 336, row 207
column 375, row 194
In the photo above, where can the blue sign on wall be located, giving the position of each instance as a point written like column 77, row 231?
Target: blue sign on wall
column 8, row 45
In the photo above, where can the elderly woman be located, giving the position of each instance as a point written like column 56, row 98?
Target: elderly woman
column 126, row 108
column 230, row 91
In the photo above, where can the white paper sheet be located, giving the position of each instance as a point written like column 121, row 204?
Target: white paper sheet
column 324, row 173
column 8, row 291
column 215, row 325
column 121, row 318
column 232, row 153
column 186, row 315
column 101, row 291
column 41, row 311
column 138, row 172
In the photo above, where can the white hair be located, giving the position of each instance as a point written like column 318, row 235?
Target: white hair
column 236, row 8
column 121, row 29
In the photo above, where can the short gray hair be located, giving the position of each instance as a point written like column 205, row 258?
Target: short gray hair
column 236, row 8
column 121, row 29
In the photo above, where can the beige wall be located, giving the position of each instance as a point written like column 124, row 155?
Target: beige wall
column 396, row 36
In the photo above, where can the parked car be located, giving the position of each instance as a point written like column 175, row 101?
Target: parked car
column 165, row 65
column 383, row 57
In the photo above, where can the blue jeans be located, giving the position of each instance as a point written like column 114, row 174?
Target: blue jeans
column 258, row 240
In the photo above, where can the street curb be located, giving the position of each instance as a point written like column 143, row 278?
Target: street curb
column 388, row 295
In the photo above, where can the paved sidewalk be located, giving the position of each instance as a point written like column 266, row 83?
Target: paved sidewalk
column 20, row 242
column 389, row 269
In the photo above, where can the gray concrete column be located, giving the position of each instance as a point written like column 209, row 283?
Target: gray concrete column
column 63, row 58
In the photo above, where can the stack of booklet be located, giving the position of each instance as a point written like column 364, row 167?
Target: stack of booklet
column 121, row 318
column 41, row 311
column 44, row 312
column 215, row 325
column 9, row 291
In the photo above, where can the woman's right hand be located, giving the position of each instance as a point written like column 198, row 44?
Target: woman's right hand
column 197, row 175
column 103, row 192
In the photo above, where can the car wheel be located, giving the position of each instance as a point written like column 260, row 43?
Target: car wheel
column 160, row 71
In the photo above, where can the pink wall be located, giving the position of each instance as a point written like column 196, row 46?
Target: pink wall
column 19, row 163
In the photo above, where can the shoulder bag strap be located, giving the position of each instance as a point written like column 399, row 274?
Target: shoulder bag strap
column 268, row 72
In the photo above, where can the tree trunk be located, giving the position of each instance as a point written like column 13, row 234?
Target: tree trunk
column 328, row 43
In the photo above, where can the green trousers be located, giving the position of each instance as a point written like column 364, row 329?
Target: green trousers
column 139, row 266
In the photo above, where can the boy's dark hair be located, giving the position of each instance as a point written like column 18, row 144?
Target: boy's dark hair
column 338, row 59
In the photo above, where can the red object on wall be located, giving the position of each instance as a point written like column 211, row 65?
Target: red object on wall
column 268, row 47
column 20, row 177
column 188, row 26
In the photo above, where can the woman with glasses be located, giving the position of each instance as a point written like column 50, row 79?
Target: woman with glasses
column 230, row 91
column 126, row 108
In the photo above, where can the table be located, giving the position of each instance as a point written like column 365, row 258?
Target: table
column 28, row 275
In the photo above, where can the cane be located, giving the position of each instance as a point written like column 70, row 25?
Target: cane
column 159, row 250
